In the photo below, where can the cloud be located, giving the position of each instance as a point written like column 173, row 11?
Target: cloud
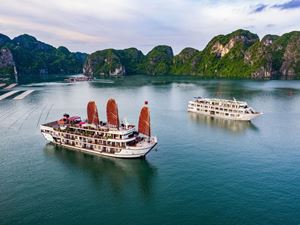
column 293, row 4
column 259, row 8
column 270, row 25
column 60, row 32
column 92, row 25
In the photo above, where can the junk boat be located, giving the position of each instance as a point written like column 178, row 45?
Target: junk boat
column 222, row 108
column 78, row 79
column 111, row 138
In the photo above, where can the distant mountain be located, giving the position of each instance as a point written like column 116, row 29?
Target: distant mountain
column 240, row 54
column 129, row 62
column 27, row 59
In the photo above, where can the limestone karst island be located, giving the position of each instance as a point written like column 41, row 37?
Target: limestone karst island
column 238, row 55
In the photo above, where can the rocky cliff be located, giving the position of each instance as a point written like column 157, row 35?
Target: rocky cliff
column 114, row 62
column 159, row 60
column 240, row 54
column 186, row 62
column 275, row 57
column 7, row 66
column 33, row 59
column 129, row 61
column 224, row 55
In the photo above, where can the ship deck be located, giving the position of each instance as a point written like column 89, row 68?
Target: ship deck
column 217, row 100
column 104, row 127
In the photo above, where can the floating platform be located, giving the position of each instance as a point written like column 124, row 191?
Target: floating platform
column 7, row 94
column 23, row 95
column 11, row 86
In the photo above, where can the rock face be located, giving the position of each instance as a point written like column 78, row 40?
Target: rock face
column 106, row 62
column 34, row 59
column 275, row 57
column 6, row 58
column 159, row 60
column 7, row 66
column 114, row 62
column 224, row 55
column 290, row 67
column 132, row 60
column 186, row 62
column 129, row 61
column 224, row 44
column 239, row 54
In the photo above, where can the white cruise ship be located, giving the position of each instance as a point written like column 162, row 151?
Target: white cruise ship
column 111, row 138
column 222, row 108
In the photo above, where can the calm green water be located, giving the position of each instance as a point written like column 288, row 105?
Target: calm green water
column 205, row 171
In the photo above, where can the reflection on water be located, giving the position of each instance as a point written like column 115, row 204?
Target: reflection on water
column 229, row 125
column 232, row 89
column 283, row 92
column 116, row 172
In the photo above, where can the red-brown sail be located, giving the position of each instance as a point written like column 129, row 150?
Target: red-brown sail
column 144, row 121
column 92, row 113
column 112, row 113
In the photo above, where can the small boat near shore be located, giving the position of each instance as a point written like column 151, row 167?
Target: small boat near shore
column 78, row 79
column 223, row 108
column 111, row 138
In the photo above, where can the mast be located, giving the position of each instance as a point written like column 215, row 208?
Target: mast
column 144, row 121
column 92, row 113
column 112, row 113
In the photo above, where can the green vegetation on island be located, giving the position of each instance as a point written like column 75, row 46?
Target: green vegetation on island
column 239, row 55
column 28, row 59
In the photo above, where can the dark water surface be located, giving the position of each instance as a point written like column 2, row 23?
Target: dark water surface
column 206, row 171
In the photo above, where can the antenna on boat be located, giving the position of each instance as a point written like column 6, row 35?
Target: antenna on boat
column 125, row 123
column 234, row 99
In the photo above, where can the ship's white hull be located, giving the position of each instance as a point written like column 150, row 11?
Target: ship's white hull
column 243, row 117
column 128, row 152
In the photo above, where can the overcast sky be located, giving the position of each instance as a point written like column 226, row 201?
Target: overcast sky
column 90, row 25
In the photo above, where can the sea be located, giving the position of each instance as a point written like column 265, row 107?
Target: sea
column 204, row 171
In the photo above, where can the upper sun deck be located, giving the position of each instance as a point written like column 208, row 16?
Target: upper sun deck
column 223, row 102
column 102, row 127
